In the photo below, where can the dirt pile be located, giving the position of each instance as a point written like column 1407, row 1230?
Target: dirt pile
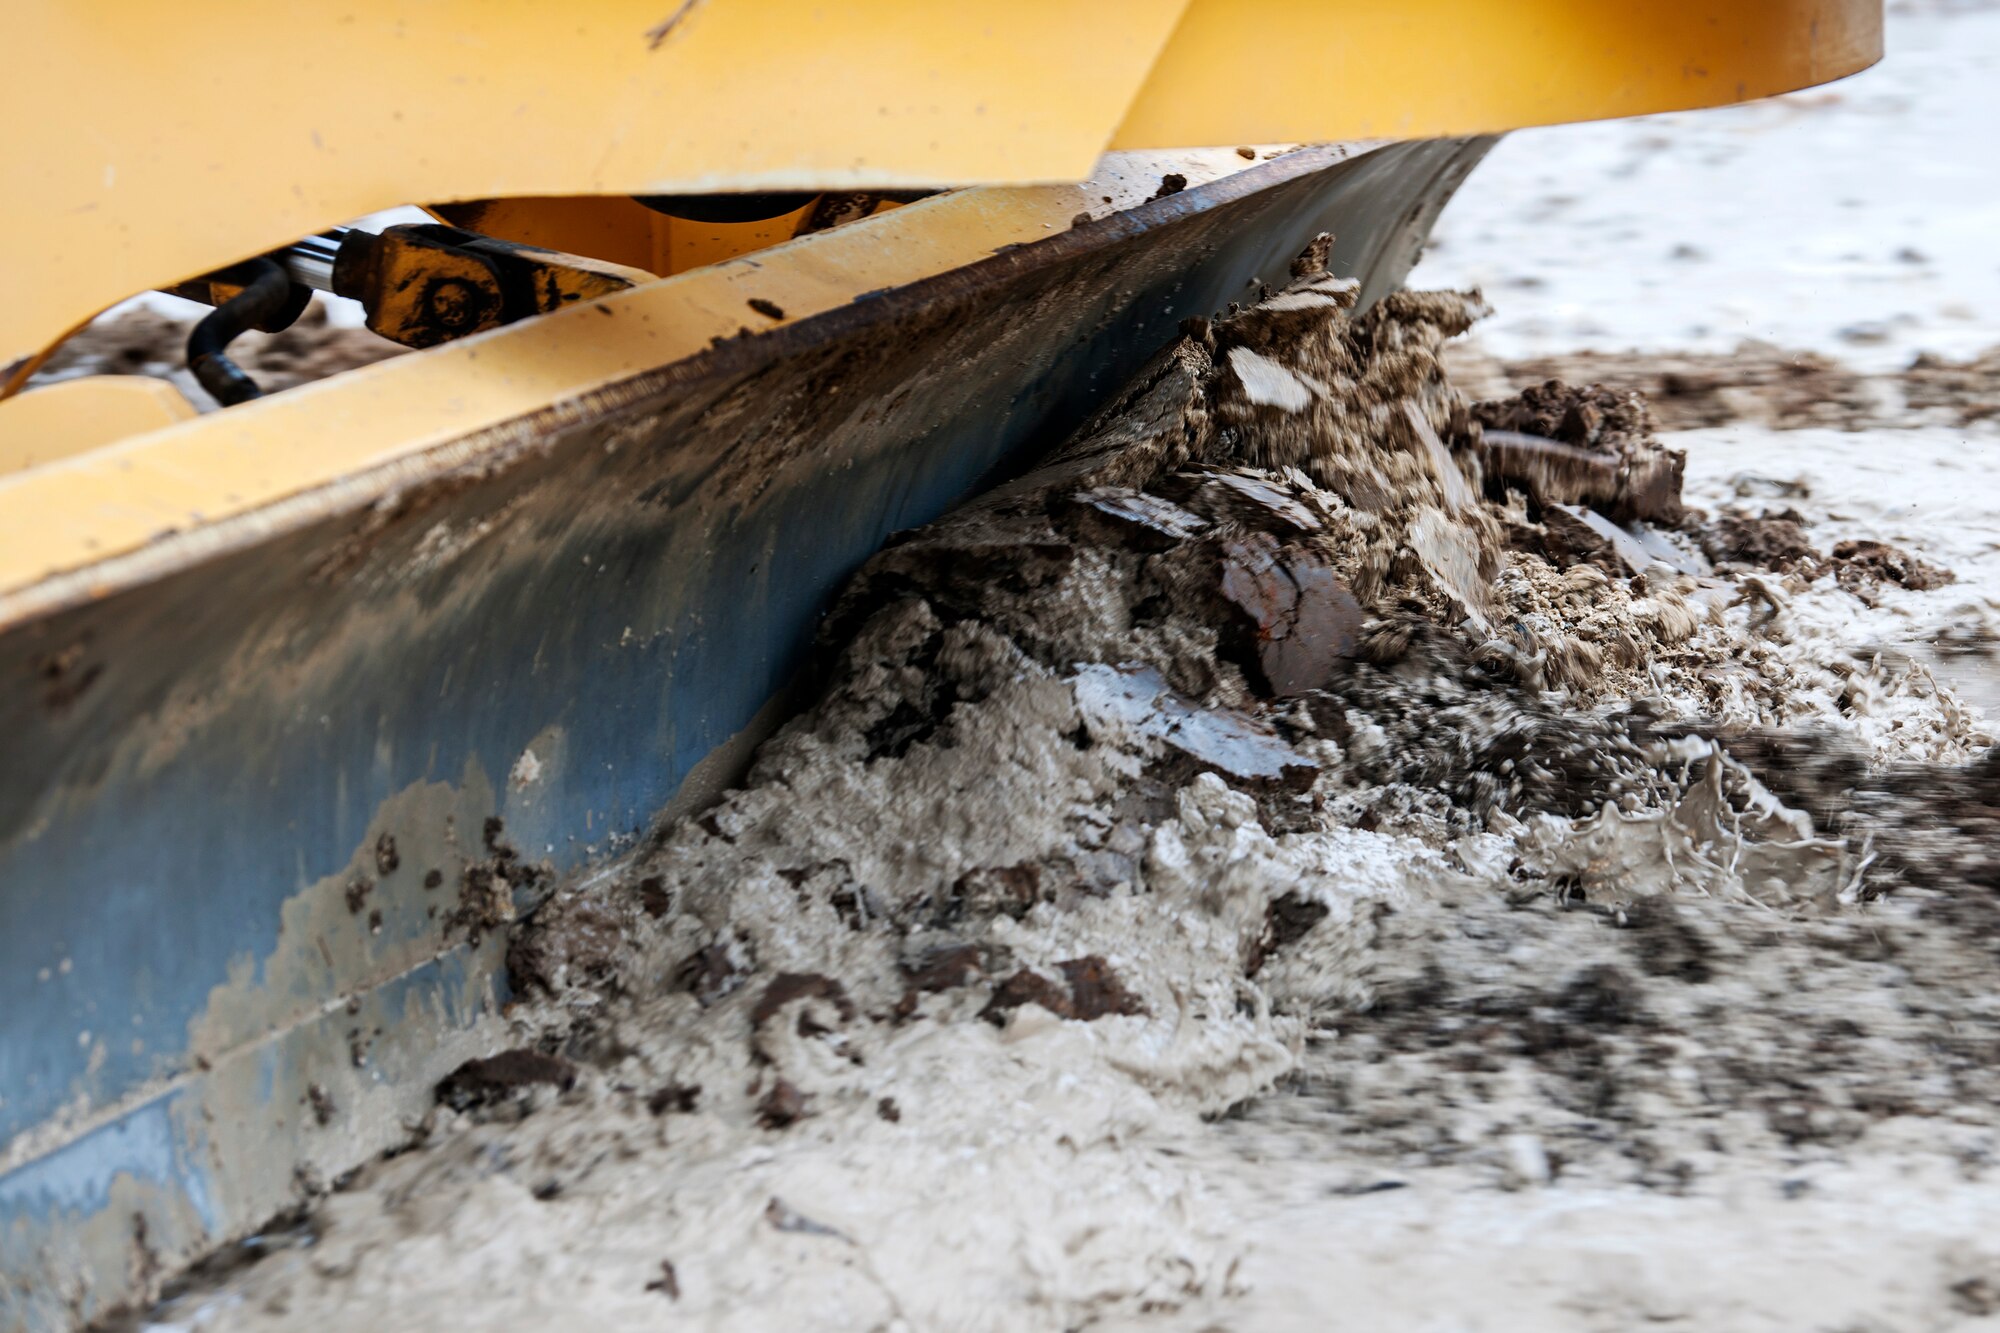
column 1760, row 383
column 1269, row 778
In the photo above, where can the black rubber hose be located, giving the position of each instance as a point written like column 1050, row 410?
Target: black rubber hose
column 260, row 305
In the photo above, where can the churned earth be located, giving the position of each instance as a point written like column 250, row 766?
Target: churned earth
column 1320, row 851
column 1365, row 837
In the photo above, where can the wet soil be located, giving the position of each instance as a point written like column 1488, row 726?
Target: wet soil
column 1268, row 868
column 143, row 341
column 1760, row 384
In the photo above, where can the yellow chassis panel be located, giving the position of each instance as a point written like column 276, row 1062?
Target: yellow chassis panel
column 81, row 526
column 1255, row 71
column 170, row 140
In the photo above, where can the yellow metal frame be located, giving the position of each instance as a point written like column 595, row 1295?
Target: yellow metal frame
column 173, row 139
column 86, row 524
column 74, row 416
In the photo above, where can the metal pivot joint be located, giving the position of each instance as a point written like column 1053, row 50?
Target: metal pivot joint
column 426, row 284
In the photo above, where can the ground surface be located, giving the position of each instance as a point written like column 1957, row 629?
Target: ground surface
column 1245, row 878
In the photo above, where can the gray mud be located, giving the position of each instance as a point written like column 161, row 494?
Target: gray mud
column 1311, row 854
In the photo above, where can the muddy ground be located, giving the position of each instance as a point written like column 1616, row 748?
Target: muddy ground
column 1325, row 850
column 141, row 340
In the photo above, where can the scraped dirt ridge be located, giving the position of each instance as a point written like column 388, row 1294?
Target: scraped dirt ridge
column 1307, row 796
column 1758, row 382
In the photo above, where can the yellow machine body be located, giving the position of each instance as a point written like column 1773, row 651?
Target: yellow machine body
column 266, row 663
column 171, row 140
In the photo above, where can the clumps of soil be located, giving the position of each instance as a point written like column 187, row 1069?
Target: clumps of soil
column 1778, row 542
column 146, row 342
column 499, row 1078
column 1266, row 736
column 1590, row 445
column 1089, row 990
column 1766, row 541
column 1962, row 391
column 1760, row 383
column 1861, row 566
column 487, row 890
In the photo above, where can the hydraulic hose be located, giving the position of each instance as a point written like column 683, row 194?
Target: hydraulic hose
column 262, row 304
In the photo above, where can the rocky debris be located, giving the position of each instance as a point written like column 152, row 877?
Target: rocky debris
column 1572, row 534
column 492, row 890
column 582, row 951
column 944, row 967
column 710, row 973
column 1218, row 740
column 681, row 1097
column 668, row 1283
column 1300, row 617
column 1143, row 520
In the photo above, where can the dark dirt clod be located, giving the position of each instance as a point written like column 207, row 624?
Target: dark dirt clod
column 766, row 308
column 789, row 987
column 1860, row 566
column 1135, row 519
column 668, row 1283
column 357, row 893
column 1601, row 996
column 943, row 968
column 1666, row 943
column 386, row 856
column 1588, row 445
column 497, row 1078
column 1568, row 538
column 1976, row 1296
column 781, row 1106
column 321, row 1102
column 989, row 890
column 1300, row 619
column 1171, row 183
column 1090, row 990
column 653, row 897
column 1027, row 987
column 682, row 1097
column 1770, row 541
column 1786, row 388
column 1095, row 990
column 1289, row 919
column 433, row 878
column 487, row 889
column 889, row 1111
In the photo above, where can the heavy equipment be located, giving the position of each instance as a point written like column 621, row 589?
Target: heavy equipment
column 309, row 695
